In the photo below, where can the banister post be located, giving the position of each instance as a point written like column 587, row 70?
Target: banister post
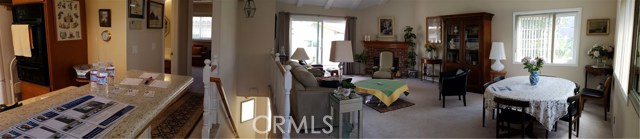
column 214, row 95
column 206, row 119
column 277, row 58
column 287, row 102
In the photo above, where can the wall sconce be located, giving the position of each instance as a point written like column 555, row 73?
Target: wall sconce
column 247, row 110
column 249, row 8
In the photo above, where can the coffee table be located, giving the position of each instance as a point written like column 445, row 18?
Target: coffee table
column 388, row 91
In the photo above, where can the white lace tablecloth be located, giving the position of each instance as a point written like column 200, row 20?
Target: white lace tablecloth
column 548, row 98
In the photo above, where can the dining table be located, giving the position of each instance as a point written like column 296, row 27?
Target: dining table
column 547, row 99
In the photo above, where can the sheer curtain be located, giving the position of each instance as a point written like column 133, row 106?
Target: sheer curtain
column 350, row 34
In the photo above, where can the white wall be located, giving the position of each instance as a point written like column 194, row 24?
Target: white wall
column 145, row 47
column 116, row 48
column 227, row 44
column 502, row 27
column 6, row 55
column 254, row 43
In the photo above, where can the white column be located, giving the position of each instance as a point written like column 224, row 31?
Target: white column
column 287, row 102
column 206, row 119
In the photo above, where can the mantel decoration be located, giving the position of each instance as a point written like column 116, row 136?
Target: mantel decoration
column 431, row 50
column 600, row 53
column 533, row 66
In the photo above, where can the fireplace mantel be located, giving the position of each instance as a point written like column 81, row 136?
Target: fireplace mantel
column 399, row 50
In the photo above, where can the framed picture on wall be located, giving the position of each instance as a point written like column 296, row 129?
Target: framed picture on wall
column 386, row 26
column 155, row 15
column 136, row 9
column 105, row 17
column 598, row 27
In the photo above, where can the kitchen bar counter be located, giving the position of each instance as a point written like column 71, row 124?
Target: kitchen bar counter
column 132, row 125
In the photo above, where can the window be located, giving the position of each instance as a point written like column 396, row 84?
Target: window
column 202, row 28
column 553, row 35
column 315, row 34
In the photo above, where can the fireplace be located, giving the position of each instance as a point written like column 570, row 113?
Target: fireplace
column 399, row 50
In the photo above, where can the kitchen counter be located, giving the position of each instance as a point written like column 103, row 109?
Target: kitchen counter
column 147, row 108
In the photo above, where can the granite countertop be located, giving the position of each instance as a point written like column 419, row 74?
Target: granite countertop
column 147, row 108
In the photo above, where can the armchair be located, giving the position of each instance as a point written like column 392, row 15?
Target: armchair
column 454, row 83
column 385, row 69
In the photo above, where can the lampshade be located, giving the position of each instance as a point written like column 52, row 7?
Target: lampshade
column 497, row 51
column 341, row 51
column 300, row 54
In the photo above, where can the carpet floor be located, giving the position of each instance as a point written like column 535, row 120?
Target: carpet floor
column 427, row 118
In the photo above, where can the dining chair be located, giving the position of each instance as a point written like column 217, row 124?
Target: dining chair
column 454, row 83
column 513, row 113
column 602, row 95
column 493, row 111
column 574, row 111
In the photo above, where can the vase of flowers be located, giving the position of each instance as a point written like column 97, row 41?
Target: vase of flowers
column 431, row 50
column 533, row 66
column 600, row 53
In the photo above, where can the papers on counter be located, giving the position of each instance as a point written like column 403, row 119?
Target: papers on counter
column 131, row 81
column 85, row 117
column 159, row 84
column 146, row 75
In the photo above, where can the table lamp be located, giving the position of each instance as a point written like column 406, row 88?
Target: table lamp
column 300, row 55
column 497, row 54
column 341, row 51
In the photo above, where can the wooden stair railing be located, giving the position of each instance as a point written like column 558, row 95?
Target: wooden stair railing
column 281, row 84
column 210, row 115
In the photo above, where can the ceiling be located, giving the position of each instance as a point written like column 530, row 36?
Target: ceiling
column 340, row 4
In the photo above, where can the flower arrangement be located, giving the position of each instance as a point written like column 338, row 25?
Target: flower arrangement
column 532, row 64
column 430, row 47
column 598, row 51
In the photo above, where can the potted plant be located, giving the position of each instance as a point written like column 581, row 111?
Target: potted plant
column 533, row 66
column 410, row 39
column 347, row 87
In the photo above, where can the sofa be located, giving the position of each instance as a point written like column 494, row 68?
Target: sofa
column 307, row 97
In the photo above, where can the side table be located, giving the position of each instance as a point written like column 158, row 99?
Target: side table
column 341, row 107
column 595, row 71
column 426, row 73
column 495, row 74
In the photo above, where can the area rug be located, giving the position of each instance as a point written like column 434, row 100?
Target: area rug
column 185, row 114
column 399, row 104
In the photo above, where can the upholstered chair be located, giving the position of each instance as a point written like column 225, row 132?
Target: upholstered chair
column 385, row 68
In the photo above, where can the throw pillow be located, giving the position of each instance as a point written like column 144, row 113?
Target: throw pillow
column 316, row 72
column 304, row 77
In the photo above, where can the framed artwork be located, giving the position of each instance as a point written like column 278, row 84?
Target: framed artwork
column 105, row 17
column 386, row 26
column 68, row 20
column 136, row 9
column 155, row 15
column 598, row 27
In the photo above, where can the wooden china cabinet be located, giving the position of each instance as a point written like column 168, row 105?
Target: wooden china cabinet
column 466, row 40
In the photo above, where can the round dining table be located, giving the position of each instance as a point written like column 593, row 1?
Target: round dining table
column 548, row 99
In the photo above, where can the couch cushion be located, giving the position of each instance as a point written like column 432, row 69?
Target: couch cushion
column 293, row 64
column 304, row 77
